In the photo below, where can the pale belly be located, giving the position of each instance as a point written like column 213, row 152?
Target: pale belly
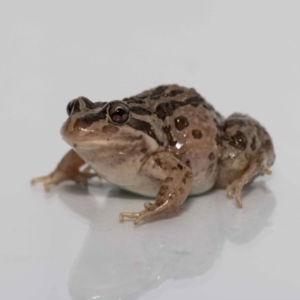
column 150, row 187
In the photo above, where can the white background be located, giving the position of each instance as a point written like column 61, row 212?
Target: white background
column 68, row 244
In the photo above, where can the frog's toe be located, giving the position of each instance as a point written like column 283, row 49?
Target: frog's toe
column 229, row 191
column 264, row 168
column 131, row 215
column 38, row 179
column 151, row 209
column 235, row 189
column 238, row 197
column 47, row 181
column 52, row 179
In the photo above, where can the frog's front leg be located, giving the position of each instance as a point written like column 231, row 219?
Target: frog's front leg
column 67, row 169
column 176, row 183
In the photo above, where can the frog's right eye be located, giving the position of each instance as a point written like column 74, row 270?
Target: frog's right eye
column 78, row 105
column 118, row 112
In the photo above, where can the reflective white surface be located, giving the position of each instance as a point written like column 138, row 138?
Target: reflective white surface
column 68, row 244
column 117, row 262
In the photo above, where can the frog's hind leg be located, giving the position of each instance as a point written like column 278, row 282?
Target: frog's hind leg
column 247, row 153
column 256, row 168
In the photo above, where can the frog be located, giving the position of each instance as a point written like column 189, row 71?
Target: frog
column 167, row 143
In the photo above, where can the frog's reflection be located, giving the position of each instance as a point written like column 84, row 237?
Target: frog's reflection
column 121, row 261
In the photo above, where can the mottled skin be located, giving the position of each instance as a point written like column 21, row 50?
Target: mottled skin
column 167, row 143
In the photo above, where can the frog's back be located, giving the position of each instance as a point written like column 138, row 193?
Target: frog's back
column 185, row 124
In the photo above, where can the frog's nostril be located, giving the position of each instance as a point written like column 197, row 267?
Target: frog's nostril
column 79, row 104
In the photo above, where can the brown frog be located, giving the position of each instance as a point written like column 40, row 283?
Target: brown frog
column 167, row 142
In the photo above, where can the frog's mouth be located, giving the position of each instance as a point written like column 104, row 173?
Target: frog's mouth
column 98, row 134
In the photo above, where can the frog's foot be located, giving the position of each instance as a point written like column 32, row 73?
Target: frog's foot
column 59, row 175
column 67, row 169
column 48, row 181
column 235, row 188
column 150, row 210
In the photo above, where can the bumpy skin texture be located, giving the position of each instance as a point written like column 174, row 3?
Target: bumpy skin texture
column 166, row 142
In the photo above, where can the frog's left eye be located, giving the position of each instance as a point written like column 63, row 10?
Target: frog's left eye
column 118, row 112
column 79, row 104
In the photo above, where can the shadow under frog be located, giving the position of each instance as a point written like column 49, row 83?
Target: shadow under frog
column 120, row 261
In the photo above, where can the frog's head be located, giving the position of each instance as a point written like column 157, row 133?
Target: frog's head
column 91, row 123
column 104, row 123
column 113, row 125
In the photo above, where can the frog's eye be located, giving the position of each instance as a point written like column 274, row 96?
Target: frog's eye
column 72, row 107
column 78, row 105
column 118, row 112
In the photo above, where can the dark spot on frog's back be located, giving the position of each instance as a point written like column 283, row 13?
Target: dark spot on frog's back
column 194, row 101
column 138, row 110
column 208, row 106
column 267, row 144
column 110, row 129
column 197, row 134
column 218, row 125
column 155, row 97
column 144, row 127
column 173, row 93
column 181, row 122
column 167, row 130
column 233, row 122
column 218, row 139
column 180, row 166
column 135, row 100
column 239, row 140
column 188, row 163
column 166, row 109
column 157, row 92
column 211, row 156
